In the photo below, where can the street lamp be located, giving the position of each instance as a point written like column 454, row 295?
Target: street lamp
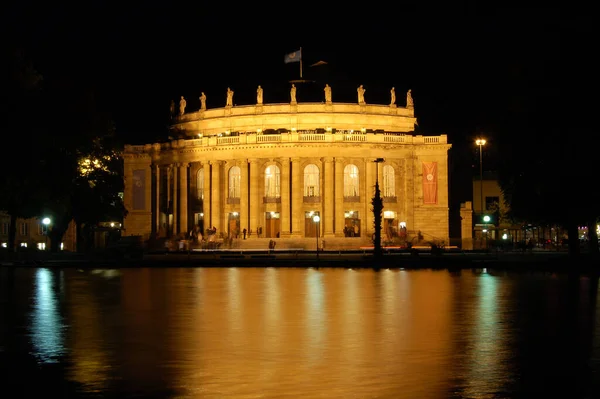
column 481, row 142
column 46, row 222
column 317, row 219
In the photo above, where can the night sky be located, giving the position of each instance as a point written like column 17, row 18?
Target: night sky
column 463, row 64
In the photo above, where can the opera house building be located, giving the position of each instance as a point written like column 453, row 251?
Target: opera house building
column 269, row 169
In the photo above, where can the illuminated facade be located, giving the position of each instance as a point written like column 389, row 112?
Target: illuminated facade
column 269, row 168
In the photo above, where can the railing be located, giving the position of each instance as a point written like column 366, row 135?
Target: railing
column 228, row 140
column 288, row 137
column 311, row 137
column 268, row 138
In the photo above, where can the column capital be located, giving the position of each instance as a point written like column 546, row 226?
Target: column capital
column 183, row 164
column 327, row 159
column 295, row 159
column 284, row 159
column 253, row 160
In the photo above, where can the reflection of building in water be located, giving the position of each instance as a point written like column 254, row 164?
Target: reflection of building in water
column 275, row 166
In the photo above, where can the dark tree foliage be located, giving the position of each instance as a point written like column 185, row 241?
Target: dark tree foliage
column 548, row 165
column 54, row 124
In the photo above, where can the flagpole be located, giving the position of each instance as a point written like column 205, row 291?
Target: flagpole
column 300, row 62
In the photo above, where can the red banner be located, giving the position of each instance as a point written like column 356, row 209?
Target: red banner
column 430, row 183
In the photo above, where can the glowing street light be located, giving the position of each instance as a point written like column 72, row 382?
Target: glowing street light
column 317, row 219
column 46, row 222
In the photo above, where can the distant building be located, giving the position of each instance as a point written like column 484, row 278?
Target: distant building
column 31, row 233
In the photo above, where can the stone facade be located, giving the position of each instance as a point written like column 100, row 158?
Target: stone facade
column 268, row 168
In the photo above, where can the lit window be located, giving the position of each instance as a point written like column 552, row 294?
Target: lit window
column 311, row 181
column 389, row 181
column 272, row 181
column 351, row 185
column 234, row 182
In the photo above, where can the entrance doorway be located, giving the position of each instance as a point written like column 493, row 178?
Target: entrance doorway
column 273, row 225
column 352, row 227
column 233, row 226
column 199, row 221
column 310, row 226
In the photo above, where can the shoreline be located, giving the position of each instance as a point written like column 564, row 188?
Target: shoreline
column 517, row 261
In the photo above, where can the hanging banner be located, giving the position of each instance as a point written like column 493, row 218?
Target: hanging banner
column 430, row 183
column 139, row 190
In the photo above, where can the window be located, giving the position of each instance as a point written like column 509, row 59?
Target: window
column 24, row 229
column 311, row 181
column 351, row 186
column 272, row 182
column 5, row 226
column 234, row 182
column 200, row 184
column 389, row 181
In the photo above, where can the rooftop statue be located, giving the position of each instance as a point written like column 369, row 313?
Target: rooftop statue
column 203, row 101
column 393, row 96
column 229, row 98
column 293, row 93
column 409, row 100
column 327, row 93
column 259, row 95
column 182, row 104
column 361, row 94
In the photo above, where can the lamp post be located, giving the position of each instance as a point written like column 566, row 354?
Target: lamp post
column 46, row 222
column 481, row 142
column 317, row 219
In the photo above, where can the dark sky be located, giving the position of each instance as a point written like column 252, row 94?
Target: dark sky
column 463, row 64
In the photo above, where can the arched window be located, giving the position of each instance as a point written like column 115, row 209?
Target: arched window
column 389, row 181
column 200, row 184
column 311, row 181
column 234, row 182
column 272, row 181
column 351, row 186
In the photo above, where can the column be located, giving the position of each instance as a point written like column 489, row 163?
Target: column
column 157, row 199
column 244, row 222
column 368, row 217
column 339, row 197
column 285, row 197
column 254, row 197
column 175, row 200
column 169, row 226
column 327, row 197
column 206, row 197
column 215, row 203
column 183, row 201
column 297, row 197
column 410, row 193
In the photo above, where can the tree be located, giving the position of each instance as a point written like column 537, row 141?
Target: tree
column 546, row 129
column 377, row 209
column 21, row 98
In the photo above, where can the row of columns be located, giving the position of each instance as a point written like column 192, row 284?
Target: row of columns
column 215, row 192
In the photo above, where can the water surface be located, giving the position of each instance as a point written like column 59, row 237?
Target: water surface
column 299, row 333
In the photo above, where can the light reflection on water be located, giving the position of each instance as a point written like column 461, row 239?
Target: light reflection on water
column 270, row 332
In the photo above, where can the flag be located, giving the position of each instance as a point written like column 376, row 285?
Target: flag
column 430, row 183
column 296, row 56
column 318, row 63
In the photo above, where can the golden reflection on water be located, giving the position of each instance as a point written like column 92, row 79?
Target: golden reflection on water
column 269, row 332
